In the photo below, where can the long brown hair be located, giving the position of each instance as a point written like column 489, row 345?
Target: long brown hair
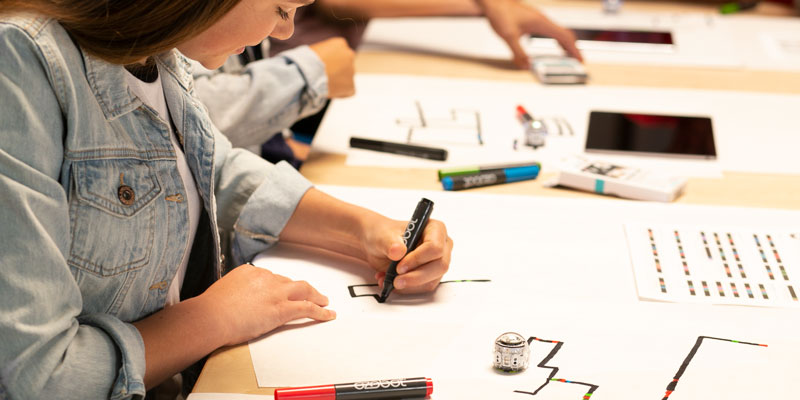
column 126, row 31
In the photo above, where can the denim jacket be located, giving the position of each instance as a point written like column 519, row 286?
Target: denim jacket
column 93, row 216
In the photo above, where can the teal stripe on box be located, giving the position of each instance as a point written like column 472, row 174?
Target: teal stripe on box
column 599, row 185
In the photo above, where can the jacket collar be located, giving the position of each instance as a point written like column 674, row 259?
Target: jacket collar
column 107, row 81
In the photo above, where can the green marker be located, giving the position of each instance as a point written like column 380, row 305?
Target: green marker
column 730, row 8
column 474, row 169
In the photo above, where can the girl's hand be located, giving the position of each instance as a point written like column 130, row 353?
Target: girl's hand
column 251, row 301
column 420, row 270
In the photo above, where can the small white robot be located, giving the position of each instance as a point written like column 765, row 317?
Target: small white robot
column 511, row 352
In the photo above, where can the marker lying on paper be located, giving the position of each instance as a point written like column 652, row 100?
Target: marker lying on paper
column 431, row 153
column 492, row 177
column 411, row 238
column 382, row 389
column 474, row 169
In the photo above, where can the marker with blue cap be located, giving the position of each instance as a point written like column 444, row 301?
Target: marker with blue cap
column 474, row 169
column 491, row 177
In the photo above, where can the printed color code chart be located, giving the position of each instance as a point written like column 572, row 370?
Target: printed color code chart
column 716, row 265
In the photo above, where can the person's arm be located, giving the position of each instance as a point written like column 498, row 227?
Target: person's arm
column 259, row 203
column 509, row 18
column 49, row 348
column 513, row 18
column 268, row 96
column 246, row 303
column 326, row 222
column 363, row 9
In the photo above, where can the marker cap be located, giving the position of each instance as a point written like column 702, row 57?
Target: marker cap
column 323, row 392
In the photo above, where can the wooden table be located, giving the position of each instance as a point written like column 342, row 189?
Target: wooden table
column 229, row 370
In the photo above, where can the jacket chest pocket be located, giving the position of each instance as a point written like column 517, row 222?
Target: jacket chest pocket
column 113, row 215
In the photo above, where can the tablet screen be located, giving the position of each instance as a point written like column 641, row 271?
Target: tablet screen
column 621, row 36
column 604, row 35
column 651, row 134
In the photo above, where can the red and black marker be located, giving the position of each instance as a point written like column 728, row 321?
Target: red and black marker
column 368, row 390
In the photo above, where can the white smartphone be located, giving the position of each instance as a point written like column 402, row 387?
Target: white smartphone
column 559, row 70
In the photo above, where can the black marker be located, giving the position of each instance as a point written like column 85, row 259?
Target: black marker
column 430, row 153
column 411, row 238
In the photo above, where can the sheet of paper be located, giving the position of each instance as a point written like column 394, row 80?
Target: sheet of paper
column 698, row 38
column 765, row 43
column 558, row 270
column 444, row 113
column 716, row 264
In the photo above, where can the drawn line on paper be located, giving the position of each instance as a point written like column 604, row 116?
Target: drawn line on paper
column 792, row 293
column 722, row 256
column 661, row 284
column 763, row 257
column 682, row 253
column 705, row 243
column 376, row 296
column 778, row 257
column 554, row 370
column 736, row 256
column 763, row 291
column 674, row 382
column 655, row 250
column 452, row 123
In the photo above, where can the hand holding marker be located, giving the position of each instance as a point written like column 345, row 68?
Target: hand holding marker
column 411, row 238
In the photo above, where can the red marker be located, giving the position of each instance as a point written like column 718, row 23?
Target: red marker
column 368, row 390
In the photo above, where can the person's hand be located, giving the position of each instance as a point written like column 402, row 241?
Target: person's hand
column 420, row 270
column 513, row 18
column 339, row 67
column 250, row 301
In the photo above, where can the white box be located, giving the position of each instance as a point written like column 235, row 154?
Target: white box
column 616, row 180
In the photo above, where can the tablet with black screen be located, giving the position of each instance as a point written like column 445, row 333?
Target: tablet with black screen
column 614, row 40
column 650, row 134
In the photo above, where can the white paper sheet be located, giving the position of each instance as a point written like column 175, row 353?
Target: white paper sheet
column 560, row 271
column 765, row 43
column 386, row 108
column 699, row 39
column 716, row 264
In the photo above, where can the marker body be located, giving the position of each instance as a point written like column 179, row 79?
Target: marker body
column 474, row 169
column 411, row 238
column 488, row 178
column 431, row 153
column 369, row 390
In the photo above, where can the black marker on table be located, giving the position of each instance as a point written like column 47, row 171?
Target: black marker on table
column 431, row 153
column 411, row 238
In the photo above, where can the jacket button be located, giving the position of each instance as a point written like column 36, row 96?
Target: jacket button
column 126, row 195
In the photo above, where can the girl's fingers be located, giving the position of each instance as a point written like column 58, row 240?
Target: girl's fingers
column 302, row 290
column 424, row 277
column 294, row 310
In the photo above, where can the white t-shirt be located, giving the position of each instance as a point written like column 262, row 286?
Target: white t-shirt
column 152, row 94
